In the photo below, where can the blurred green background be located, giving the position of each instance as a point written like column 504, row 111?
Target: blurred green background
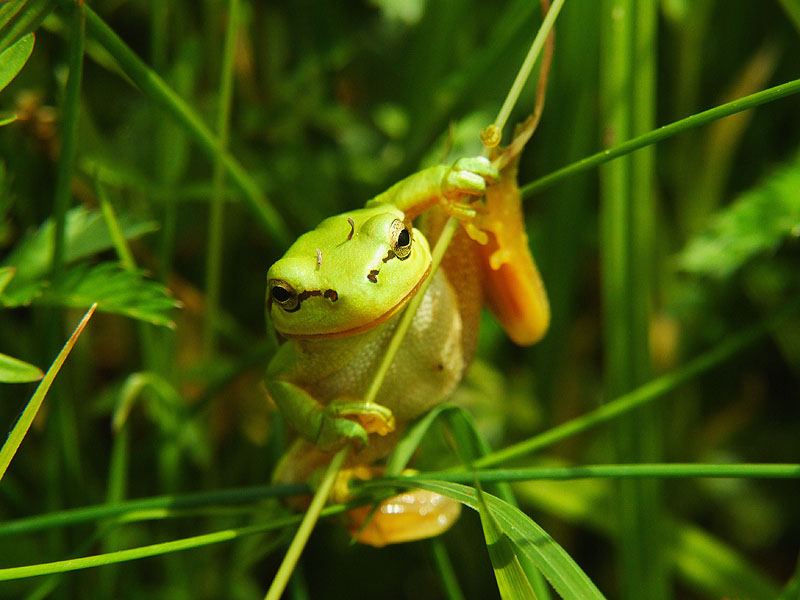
column 333, row 102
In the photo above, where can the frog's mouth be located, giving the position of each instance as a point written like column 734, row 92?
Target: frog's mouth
column 367, row 326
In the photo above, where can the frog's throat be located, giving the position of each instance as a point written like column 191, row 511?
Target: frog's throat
column 366, row 327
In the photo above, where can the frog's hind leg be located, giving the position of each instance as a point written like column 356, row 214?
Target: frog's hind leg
column 513, row 289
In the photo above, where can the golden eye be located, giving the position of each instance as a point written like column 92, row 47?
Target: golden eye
column 400, row 239
column 284, row 295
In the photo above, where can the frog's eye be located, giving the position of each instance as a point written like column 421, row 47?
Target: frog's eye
column 400, row 239
column 284, row 295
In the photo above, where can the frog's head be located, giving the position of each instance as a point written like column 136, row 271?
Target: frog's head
column 351, row 273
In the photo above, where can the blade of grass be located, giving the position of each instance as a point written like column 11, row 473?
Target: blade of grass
column 161, row 94
column 25, row 420
column 616, row 471
column 216, row 214
column 69, row 131
column 527, row 538
column 648, row 392
column 99, row 512
column 444, row 567
column 656, row 135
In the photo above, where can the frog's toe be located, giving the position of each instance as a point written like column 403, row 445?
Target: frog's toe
column 469, row 176
column 373, row 417
column 479, row 165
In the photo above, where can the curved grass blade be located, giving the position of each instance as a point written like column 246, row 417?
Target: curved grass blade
column 511, row 579
column 14, row 58
column 14, row 370
column 526, row 538
column 23, row 424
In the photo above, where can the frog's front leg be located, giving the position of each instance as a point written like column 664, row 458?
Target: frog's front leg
column 331, row 426
column 452, row 187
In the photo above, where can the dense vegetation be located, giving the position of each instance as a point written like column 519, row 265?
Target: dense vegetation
column 158, row 164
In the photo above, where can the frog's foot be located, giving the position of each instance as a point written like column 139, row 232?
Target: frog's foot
column 406, row 517
column 354, row 420
column 410, row 516
column 468, row 176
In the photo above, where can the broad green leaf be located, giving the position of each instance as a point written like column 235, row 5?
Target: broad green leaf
column 114, row 289
column 14, row 58
column 85, row 234
column 526, row 538
column 758, row 222
column 14, row 370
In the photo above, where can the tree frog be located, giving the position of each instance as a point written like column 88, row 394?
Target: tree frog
column 336, row 297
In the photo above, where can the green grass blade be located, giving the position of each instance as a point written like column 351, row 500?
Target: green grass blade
column 160, row 93
column 527, row 538
column 25, row 420
column 216, row 214
column 88, row 514
column 512, row 581
column 651, row 137
column 14, row 58
column 14, row 370
column 444, row 568
column 69, row 133
column 644, row 394
column 701, row 561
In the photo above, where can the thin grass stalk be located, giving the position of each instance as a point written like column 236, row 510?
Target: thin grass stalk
column 643, row 426
column 216, row 214
column 656, row 135
column 620, row 331
column 444, row 567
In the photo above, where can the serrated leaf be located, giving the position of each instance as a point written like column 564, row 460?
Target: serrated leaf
column 85, row 234
column 114, row 289
column 757, row 222
column 526, row 538
column 14, row 370
column 14, row 58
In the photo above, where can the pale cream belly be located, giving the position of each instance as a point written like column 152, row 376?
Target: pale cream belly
column 427, row 368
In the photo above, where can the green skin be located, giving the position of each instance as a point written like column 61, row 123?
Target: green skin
column 328, row 294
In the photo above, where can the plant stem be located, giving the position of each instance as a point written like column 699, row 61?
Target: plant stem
column 216, row 215
column 69, row 131
column 656, row 135
column 527, row 65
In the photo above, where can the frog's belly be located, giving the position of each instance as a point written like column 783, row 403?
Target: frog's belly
column 429, row 365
